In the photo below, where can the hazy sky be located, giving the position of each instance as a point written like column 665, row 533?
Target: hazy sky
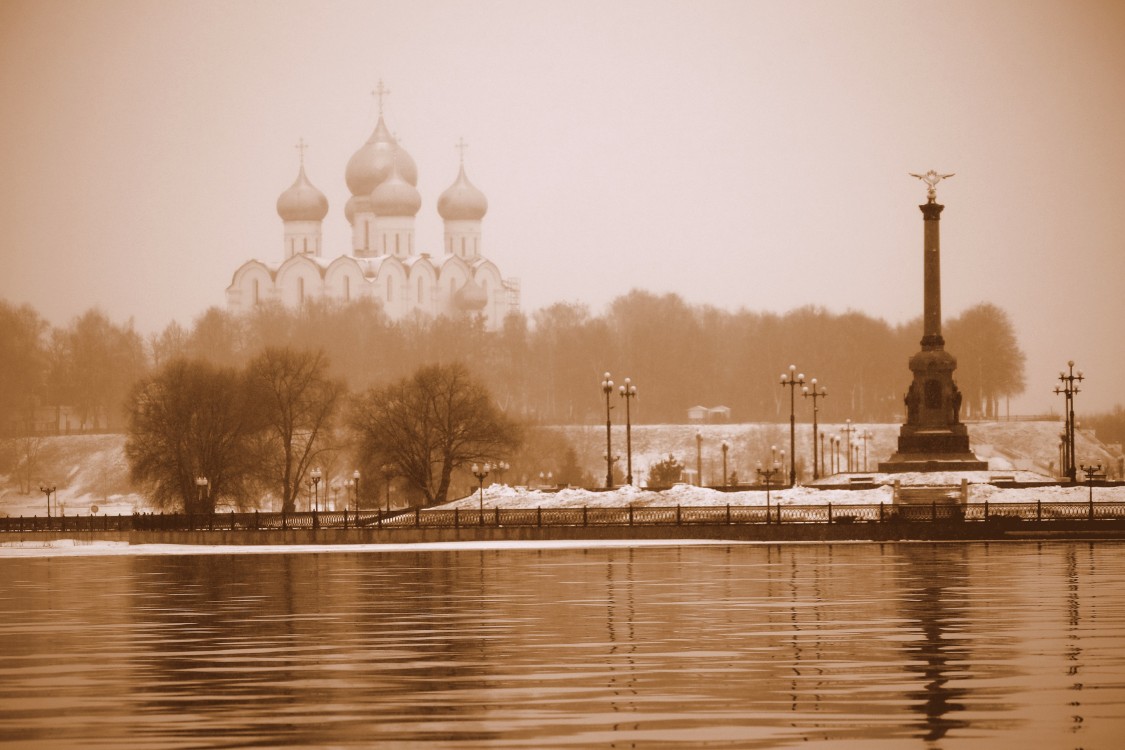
column 743, row 154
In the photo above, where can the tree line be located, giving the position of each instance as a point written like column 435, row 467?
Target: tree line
column 544, row 367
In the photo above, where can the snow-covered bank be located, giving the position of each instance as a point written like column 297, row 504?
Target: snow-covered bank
column 503, row 496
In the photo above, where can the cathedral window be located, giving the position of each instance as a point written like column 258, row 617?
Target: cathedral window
column 305, row 243
column 421, row 292
column 257, row 297
column 366, row 236
column 347, row 288
column 398, row 250
column 462, row 247
column 300, row 290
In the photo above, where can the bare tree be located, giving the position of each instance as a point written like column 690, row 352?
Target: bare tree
column 192, row 421
column 990, row 363
column 430, row 424
column 298, row 401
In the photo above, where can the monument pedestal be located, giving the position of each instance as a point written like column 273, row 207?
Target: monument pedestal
column 933, row 438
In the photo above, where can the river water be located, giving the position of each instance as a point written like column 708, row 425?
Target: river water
column 982, row 645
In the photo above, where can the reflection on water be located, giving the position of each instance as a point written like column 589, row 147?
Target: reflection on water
column 862, row 645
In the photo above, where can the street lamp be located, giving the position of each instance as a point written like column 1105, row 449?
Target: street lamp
column 699, row 458
column 814, row 393
column 1092, row 473
column 725, row 447
column 388, row 472
column 835, row 454
column 1068, row 379
column 628, row 392
column 865, row 436
column 848, row 430
column 767, row 475
column 316, row 475
column 204, row 484
column 355, row 488
column 48, row 490
column 607, row 388
column 792, row 379
column 823, row 455
column 500, row 468
column 480, row 472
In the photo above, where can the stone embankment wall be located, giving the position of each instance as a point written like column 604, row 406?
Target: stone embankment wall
column 1000, row 528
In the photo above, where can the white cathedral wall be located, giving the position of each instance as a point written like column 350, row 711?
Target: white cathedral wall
column 299, row 284
column 302, row 238
column 462, row 238
column 254, row 285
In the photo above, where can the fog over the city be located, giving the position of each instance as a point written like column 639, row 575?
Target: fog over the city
column 739, row 154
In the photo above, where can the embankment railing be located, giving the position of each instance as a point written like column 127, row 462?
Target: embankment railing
column 582, row 516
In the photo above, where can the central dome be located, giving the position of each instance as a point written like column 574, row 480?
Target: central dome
column 373, row 162
column 395, row 196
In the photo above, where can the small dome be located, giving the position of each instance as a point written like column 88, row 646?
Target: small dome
column 462, row 201
column 356, row 204
column 372, row 163
column 471, row 297
column 395, row 196
column 302, row 201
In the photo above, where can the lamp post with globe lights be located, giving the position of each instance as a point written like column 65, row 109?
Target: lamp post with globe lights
column 480, row 472
column 815, row 393
column 767, row 476
column 725, row 448
column 848, row 429
column 607, row 388
column 628, row 392
column 1069, row 388
column 48, row 490
column 699, row 458
column 792, row 379
column 316, row 475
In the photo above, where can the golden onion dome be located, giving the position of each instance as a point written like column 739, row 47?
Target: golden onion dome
column 395, row 196
column 462, row 201
column 471, row 296
column 372, row 163
column 302, row 201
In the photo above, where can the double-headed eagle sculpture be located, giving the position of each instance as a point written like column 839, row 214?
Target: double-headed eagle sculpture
column 931, row 178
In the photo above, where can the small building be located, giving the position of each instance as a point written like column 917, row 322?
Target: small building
column 708, row 415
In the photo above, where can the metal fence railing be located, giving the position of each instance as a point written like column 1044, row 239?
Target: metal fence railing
column 583, row 516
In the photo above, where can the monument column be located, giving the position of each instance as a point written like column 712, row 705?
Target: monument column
column 933, row 438
column 931, row 333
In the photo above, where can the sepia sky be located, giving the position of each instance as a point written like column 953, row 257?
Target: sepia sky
column 741, row 154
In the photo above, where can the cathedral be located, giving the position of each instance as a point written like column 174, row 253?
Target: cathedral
column 383, row 262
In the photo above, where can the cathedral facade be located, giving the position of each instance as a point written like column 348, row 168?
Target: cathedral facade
column 383, row 262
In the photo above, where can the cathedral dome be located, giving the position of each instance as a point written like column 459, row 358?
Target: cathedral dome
column 302, row 201
column 471, row 297
column 395, row 196
column 462, row 201
column 373, row 162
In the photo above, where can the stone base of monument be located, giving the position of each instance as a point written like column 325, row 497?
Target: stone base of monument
column 930, row 450
column 903, row 462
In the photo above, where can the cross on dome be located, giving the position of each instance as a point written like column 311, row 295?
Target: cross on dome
column 301, row 146
column 379, row 92
column 461, row 146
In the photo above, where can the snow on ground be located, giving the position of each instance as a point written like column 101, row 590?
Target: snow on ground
column 503, row 496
